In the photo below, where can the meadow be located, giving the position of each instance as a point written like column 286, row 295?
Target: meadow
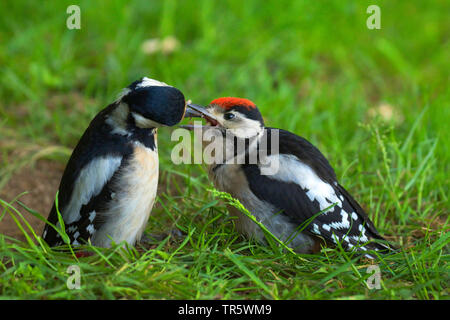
column 375, row 102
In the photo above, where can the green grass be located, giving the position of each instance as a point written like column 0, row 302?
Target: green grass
column 312, row 67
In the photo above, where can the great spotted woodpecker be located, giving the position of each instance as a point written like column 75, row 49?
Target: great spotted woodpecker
column 108, row 187
column 303, row 191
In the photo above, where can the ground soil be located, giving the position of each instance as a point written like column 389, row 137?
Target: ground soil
column 41, row 181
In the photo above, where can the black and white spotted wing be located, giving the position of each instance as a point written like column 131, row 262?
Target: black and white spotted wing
column 95, row 160
column 90, row 218
column 304, row 185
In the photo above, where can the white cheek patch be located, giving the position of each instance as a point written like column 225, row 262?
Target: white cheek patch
column 241, row 127
column 142, row 122
column 117, row 120
column 244, row 128
column 89, row 183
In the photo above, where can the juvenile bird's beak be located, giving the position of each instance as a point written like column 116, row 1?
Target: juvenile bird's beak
column 191, row 111
column 197, row 111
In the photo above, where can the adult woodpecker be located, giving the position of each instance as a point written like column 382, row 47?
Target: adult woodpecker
column 302, row 190
column 109, row 185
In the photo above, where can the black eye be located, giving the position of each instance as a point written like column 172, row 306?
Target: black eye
column 228, row 116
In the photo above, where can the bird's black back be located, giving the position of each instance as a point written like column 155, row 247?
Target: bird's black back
column 290, row 197
column 97, row 141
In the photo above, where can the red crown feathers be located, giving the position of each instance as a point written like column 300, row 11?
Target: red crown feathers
column 228, row 102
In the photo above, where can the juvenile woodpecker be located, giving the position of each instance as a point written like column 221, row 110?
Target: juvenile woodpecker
column 301, row 189
column 108, row 187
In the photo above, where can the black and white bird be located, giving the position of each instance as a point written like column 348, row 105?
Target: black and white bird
column 302, row 188
column 108, row 187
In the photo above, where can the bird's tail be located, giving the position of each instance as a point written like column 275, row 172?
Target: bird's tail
column 380, row 245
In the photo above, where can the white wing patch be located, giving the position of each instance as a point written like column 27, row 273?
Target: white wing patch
column 293, row 170
column 90, row 183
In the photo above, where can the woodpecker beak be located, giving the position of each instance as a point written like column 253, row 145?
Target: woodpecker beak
column 191, row 111
column 197, row 111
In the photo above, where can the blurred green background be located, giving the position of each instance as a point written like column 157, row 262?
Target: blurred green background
column 312, row 67
column 306, row 64
column 376, row 102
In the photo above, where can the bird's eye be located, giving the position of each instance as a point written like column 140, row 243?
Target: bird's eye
column 229, row 116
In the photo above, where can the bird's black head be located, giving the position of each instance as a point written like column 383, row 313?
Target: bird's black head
column 153, row 103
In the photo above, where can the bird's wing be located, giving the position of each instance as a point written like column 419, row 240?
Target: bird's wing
column 303, row 186
column 305, row 151
column 92, row 164
column 93, row 189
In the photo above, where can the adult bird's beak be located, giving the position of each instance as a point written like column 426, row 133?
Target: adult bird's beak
column 191, row 111
column 197, row 111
